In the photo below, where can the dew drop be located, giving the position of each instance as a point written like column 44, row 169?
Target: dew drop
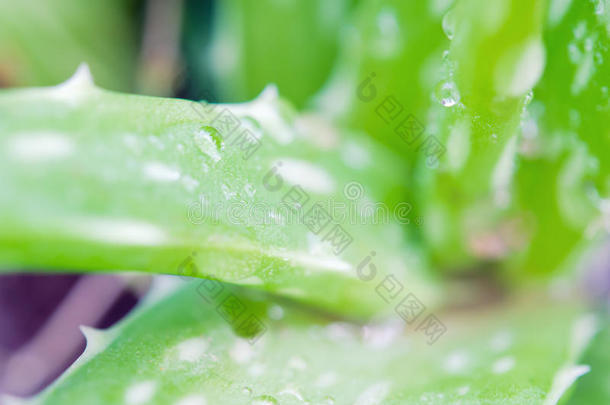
column 264, row 400
column 247, row 391
column 209, row 141
column 599, row 7
column 449, row 24
column 447, row 94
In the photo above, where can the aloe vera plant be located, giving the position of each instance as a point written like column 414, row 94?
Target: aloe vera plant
column 382, row 242
column 177, row 349
column 228, row 200
column 562, row 150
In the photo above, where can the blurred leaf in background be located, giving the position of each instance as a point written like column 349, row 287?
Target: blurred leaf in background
column 179, row 347
column 563, row 178
column 42, row 42
column 388, row 48
column 290, row 43
column 495, row 58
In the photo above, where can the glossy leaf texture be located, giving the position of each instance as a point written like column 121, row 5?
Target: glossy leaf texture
column 563, row 177
column 96, row 181
column 180, row 349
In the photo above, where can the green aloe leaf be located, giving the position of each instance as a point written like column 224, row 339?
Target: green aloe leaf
column 290, row 43
column 391, row 48
column 563, row 180
column 94, row 180
column 42, row 41
column 496, row 57
column 179, row 349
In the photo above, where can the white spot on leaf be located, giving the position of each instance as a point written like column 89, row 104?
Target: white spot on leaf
column 503, row 365
column 40, row 146
column 140, row 393
column 306, row 175
column 160, row 172
column 519, row 69
column 118, row 231
column 192, row 350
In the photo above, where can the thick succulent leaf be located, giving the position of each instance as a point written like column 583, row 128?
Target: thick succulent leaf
column 563, row 180
column 180, row 349
column 391, row 48
column 292, row 44
column 42, row 41
column 495, row 58
column 94, row 180
column 465, row 91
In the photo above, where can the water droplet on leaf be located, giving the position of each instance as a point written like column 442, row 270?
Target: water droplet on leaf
column 447, row 93
column 449, row 24
column 209, row 141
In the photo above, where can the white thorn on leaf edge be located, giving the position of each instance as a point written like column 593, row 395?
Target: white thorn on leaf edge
column 81, row 78
column 265, row 109
column 270, row 93
column 583, row 330
column 76, row 86
column 97, row 341
column 564, row 378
